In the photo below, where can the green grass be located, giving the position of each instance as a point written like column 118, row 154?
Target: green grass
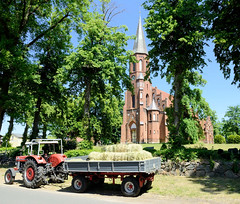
column 204, row 188
column 199, row 145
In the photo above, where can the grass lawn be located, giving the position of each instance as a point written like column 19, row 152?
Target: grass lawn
column 200, row 145
column 204, row 188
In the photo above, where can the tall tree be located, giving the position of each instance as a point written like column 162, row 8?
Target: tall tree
column 100, row 60
column 176, row 30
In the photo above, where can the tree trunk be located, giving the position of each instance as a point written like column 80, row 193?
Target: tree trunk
column 7, row 137
column 4, row 87
column 177, row 140
column 2, row 113
column 44, row 131
column 25, row 135
column 86, row 116
column 36, row 121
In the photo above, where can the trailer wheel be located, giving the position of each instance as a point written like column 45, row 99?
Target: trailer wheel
column 130, row 187
column 8, row 177
column 79, row 184
column 32, row 174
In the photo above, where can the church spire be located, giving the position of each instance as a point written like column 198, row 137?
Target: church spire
column 139, row 43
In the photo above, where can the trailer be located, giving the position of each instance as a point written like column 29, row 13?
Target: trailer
column 134, row 175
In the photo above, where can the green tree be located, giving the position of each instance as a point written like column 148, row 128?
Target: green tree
column 176, row 30
column 223, row 18
column 231, row 121
column 100, row 61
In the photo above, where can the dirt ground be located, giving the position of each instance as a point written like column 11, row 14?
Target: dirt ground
column 112, row 192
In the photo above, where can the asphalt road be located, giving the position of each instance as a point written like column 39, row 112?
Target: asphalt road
column 15, row 194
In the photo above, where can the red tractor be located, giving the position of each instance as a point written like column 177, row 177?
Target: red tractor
column 40, row 165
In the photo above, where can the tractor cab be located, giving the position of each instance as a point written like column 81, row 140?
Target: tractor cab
column 45, row 148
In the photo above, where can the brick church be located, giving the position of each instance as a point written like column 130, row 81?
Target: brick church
column 144, row 116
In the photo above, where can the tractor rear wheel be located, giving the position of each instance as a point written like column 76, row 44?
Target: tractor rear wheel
column 32, row 174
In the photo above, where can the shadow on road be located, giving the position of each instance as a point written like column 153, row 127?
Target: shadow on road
column 105, row 189
column 217, row 185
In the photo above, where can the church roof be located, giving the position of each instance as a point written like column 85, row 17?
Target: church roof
column 139, row 43
column 153, row 106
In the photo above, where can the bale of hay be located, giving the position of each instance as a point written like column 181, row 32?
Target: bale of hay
column 120, row 156
column 123, row 148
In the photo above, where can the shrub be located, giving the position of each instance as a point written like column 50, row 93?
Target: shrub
column 164, row 146
column 219, row 139
column 85, row 144
column 237, row 139
column 77, row 152
column 231, row 139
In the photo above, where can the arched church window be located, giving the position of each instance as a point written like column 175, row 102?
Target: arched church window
column 134, row 67
column 140, row 65
column 147, row 99
column 154, row 117
column 133, row 101
column 158, row 102
column 134, row 133
column 157, row 117
column 163, row 106
column 150, row 116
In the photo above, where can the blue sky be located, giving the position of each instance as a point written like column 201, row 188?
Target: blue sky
column 218, row 92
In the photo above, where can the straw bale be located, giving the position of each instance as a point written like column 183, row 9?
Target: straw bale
column 120, row 156
column 123, row 148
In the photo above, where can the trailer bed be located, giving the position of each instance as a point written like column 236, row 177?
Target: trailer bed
column 149, row 166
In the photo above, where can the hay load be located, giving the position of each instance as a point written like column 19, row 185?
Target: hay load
column 121, row 152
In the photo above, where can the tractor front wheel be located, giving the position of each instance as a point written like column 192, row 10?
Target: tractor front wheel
column 32, row 174
column 8, row 177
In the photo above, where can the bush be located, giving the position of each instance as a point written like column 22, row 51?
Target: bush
column 177, row 154
column 164, row 146
column 77, row 152
column 85, row 144
column 219, row 139
column 233, row 139
column 237, row 139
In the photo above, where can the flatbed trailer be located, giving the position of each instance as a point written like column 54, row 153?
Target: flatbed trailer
column 133, row 174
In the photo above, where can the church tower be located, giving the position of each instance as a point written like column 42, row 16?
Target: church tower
column 134, row 128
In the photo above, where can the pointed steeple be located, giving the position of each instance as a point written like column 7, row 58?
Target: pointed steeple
column 139, row 43
column 153, row 106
